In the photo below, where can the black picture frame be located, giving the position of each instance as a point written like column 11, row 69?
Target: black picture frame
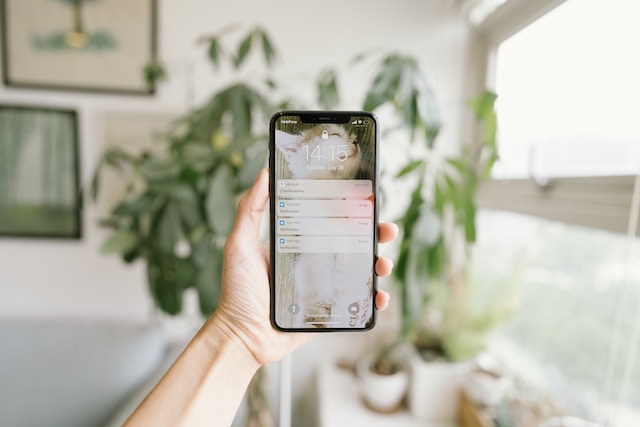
column 100, row 46
column 40, row 192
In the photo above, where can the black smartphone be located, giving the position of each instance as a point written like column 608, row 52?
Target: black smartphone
column 324, row 220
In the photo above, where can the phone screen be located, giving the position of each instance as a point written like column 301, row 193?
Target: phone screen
column 323, row 220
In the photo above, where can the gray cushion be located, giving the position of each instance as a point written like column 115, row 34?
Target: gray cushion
column 70, row 374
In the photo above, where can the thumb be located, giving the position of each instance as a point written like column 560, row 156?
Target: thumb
column 250, row 209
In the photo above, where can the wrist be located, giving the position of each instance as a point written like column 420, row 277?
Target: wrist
column 218, row 332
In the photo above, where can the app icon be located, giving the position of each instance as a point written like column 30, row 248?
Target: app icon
column 282, row 222
column 281, row 241
column 282, row 204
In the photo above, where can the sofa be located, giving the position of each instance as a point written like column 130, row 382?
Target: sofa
column 77, row 374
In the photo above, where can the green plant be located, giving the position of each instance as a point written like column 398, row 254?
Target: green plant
column 180, row 205
column 438, row 224
column 432, row 266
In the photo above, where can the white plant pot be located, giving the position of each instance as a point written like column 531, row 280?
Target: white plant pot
column 382, row 393
column 434, row 391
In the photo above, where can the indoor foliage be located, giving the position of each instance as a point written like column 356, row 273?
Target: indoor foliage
column 181, row 204
column 438, row 224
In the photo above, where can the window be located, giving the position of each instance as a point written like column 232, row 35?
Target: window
column 569, row 88
column 562, row 207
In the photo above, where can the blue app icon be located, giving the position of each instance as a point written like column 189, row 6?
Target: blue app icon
column 282, row 241
column 282, row 204
column 282, row 222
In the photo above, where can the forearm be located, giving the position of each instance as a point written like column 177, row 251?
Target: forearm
column 206, row 383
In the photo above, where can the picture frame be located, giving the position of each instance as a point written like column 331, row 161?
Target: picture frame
column 98, row 46
column 40, row 192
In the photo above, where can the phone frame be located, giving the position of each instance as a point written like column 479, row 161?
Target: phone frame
column 321, row 117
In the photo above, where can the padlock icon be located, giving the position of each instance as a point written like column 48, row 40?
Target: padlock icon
column 325, row 134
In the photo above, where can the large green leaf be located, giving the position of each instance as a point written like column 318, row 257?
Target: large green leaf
column 470, row 222
column 384, row 86
column 169, row 227
column 240, row 106
column 165, row 295
column 410, row 114
column 214, row 51
column 401, row 83
column 410, row 167
column 437, row 259
column 120, row 242
column 137, row 206
column 406, row 87
column 458, row 164
column 428, row 110
column 267, row 48
column 407, row 221
column 191, row 215
column 220, row 201
column 94, row 189
column 483, row 104
column 209, row 281
column 256, row 160
column 243, row 49
column 168, row 277
column 156, row 168
column 175, row 190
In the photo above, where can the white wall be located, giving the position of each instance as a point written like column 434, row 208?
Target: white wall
column 71, row 279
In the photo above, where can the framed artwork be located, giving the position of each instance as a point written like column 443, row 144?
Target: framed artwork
column 85, row 45
column 39, row 173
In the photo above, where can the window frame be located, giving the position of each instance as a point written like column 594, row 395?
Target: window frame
column 602, row 202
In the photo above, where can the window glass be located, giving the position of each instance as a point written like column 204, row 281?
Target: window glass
column 566, row 280
column 568, row 88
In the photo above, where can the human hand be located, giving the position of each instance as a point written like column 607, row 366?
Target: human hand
column 245, row 299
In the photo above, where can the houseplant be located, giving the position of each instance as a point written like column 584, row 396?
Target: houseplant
column 383, row 379
column 181, row 201
column 440, row 314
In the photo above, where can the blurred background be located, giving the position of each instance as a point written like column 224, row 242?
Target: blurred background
column 129, row 129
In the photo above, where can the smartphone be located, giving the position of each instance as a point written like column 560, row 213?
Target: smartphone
column 324, row 220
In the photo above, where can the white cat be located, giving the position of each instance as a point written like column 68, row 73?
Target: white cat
column 338, row 154
column 331, row 288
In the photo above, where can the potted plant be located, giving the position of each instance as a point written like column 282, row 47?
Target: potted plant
column 180, row 205
column 383, row 379
column 451, row 325
column 441, row 317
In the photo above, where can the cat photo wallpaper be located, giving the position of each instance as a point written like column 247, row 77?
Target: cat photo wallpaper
column 329, row 282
